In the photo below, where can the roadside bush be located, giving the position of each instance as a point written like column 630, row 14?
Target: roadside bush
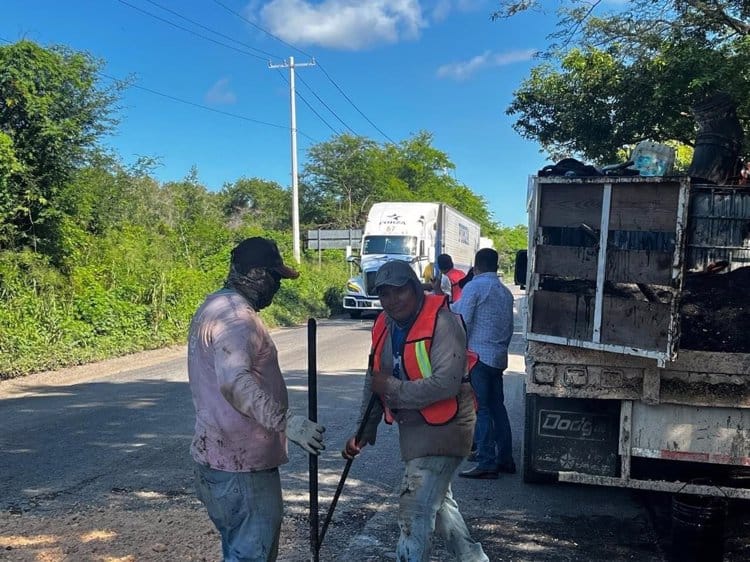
column 128, row 292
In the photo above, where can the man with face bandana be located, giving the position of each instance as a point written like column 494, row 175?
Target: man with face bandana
column 418, row 368
column 242, row 416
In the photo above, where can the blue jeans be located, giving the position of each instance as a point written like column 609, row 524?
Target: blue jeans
column 425, row 503
column 492, row 432
column 246, row 508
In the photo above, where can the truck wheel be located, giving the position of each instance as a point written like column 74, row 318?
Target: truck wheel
column 355, row 314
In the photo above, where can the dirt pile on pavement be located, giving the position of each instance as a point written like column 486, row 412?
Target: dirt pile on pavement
column 170, row 531
column 129, row 527
column 164, row 532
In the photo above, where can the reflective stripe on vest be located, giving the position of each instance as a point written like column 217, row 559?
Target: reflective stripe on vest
column 455, row 276
column 415, row 357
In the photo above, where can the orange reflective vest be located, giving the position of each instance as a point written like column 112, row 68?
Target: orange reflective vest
column 415, row 357
column 455, row 276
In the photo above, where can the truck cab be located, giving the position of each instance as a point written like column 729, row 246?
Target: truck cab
column 414, row 232
column 393, row 231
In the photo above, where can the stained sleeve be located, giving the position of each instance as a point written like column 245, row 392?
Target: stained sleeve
column 238, row 340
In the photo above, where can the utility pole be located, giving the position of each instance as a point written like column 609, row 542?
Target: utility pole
column 291, row 65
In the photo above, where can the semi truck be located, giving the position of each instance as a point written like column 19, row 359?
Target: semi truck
column 413, row 232
column 637, row 319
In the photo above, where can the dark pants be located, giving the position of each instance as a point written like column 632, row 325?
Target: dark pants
column 492, row 432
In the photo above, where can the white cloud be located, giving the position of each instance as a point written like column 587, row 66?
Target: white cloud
column 488, row 59
column 251, row 9
column 443, row 8
column 220, row 93
column 343, row 24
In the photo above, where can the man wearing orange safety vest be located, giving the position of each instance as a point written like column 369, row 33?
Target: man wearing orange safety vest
column 445, row 265
column 418, row 370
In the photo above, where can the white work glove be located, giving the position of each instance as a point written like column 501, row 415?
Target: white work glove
column 305, row 433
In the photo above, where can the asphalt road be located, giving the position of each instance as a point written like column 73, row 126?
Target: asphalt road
column 75, row 436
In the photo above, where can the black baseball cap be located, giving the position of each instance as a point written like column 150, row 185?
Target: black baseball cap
column 260, row 252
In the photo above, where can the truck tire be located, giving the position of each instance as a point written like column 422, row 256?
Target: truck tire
column 355, row 314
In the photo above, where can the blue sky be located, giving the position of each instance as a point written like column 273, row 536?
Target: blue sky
column 408, row 65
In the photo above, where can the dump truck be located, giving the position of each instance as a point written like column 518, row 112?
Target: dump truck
column 637, row 319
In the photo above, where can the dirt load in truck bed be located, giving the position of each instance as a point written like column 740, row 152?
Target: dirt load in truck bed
column 715, row 311
column 714, row 308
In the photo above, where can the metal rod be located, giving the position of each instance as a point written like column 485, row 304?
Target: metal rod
column 342, row 480
column 312, row 413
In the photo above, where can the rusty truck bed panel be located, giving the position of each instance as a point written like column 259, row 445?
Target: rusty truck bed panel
column 695, row 378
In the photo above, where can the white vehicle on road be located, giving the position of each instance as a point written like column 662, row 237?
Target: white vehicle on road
column 413, row 232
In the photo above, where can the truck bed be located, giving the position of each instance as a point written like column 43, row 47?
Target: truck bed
column 695, row 378
column 638, row 355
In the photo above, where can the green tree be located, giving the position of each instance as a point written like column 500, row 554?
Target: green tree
column 9, row 167
column 427, row 173
column 614, row 79
column 342, row 178
column 420, row 163
column 507, row 242
column 642, row 23
column 259, row 201
column 54, row 112
column 346, row 175
column 195, row 218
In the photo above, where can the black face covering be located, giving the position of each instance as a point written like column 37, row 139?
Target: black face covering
column 258, row 285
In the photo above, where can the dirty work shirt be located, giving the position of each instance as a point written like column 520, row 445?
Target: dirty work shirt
column 239, row 395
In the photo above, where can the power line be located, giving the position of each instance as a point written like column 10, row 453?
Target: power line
column 265, row 53
column 234, row 48
column 207, row 108
column 326, row 105
column 259, row 28
column 258, row 57
column 300, row 96
column 193, row 104
column 256, row 26
column 323, row 70
column 179, row 15
column 178, row 26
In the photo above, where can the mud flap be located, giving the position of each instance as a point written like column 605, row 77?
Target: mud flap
column 570, row 434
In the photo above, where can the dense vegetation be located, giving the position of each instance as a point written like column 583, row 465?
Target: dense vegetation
column 99, row 259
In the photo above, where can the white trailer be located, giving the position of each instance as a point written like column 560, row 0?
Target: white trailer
column 632, row 379
column 413, row 232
